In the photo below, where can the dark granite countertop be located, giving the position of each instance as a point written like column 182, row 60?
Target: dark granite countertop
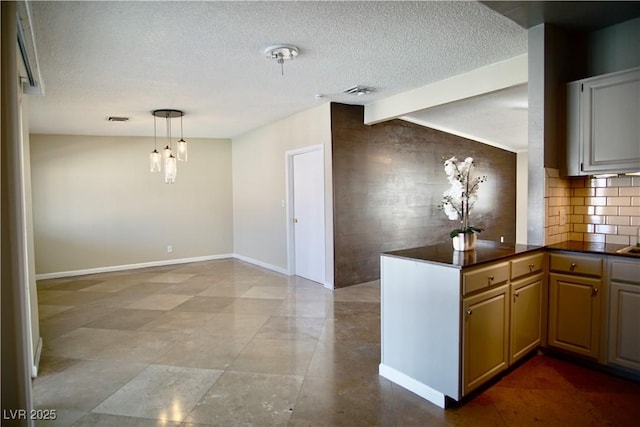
column 486, row 251
column 590, row 248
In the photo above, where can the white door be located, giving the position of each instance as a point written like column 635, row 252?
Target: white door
column 308, row 215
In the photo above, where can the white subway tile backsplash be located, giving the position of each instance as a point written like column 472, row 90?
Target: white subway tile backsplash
column 620, row 181
column 618, row 240
column 595, row 209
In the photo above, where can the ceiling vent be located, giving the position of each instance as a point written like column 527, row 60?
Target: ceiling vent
column 118, row 119
column 358, row 90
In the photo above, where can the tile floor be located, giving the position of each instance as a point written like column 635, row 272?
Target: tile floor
column 227, row 343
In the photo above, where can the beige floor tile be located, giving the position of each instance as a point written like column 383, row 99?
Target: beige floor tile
column 126, row 319
column 69, row 320
column 205, row 304
column 275, row 292
column 356, row 329
column 345, row 359
column 160, row 392
column 182, row 322
column 138, row 346
column 336, row 401
column 45, row 311
column 291, row 328
column 253, row 306
column 275, row 357
column 83, row 385
column 76, row 298
column 159, row 302
column 83, row 343
column 171, row 277
column 248, row 399
column 105, row 420
column 233, row 324
column 226, row 288
column 203, row 350
column 305, row 307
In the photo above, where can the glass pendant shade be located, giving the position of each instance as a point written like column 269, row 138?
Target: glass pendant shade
column 155, row 161
column 166, row 152
column 182, row 150
column 170, row 170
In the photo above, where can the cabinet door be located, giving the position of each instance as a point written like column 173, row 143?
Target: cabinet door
column 624, row 333
column 486, row 336
column 574, row 313
column 526, row 316
column 610, row 115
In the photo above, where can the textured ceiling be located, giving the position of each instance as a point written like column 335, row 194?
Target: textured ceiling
column 101, row 59
column 498, row 118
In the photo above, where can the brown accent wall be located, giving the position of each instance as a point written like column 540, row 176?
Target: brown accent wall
column 388, row 181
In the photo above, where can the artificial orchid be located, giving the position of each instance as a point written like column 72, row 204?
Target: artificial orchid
column 459, row 199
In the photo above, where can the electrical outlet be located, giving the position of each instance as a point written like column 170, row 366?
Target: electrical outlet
column 169, row 249
column 501, row 239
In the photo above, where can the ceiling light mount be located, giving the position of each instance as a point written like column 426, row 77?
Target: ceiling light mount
column 281, row 53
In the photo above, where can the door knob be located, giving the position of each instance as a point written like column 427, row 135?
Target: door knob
column 294, row 220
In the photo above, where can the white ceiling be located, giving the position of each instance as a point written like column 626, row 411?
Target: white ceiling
column 101, row 59
column 498, row 118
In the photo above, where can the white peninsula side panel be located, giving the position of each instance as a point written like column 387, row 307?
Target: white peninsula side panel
column 420, row 326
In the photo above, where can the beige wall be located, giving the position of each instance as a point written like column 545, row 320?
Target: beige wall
column 259, row 187
column 96, row 205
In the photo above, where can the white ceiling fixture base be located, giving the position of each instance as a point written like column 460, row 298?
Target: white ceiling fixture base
column 281, row 53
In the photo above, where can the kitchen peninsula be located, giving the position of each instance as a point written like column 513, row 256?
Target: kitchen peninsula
column 453, row 320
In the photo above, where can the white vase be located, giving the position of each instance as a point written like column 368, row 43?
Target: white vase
column 465, row 241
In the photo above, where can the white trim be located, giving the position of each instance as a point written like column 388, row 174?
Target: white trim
column 112, row 268
column 262, row 264
column 411, row 384
column 36, row 359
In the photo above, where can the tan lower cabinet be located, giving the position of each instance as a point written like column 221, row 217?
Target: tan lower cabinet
column 574, row 313
column 526, row 316
column 624, row 314
column 486, row 336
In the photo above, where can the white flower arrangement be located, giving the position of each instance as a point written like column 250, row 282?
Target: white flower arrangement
column 459, row 199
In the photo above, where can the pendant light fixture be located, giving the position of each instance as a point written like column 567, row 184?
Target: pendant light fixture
column 182, row 145
column 167, row 160
column 155, row 158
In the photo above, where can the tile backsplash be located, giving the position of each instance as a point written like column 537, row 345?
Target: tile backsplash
column 605, row 210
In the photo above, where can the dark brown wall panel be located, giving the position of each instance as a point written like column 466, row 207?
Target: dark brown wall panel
column 388, row 180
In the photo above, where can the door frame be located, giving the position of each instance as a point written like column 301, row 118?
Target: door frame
column 289, row 155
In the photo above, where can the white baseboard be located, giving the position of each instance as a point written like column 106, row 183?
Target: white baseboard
column 124, row 267
column 262, row 264
column 36, row 359
column 411, row 384
column 113, row 268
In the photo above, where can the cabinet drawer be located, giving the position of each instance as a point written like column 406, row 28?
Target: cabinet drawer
column 575, row 264
column 482, row 278
column 625, row 271
column 527, row 265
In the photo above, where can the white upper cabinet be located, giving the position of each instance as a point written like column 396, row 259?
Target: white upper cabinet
column 603, row 124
